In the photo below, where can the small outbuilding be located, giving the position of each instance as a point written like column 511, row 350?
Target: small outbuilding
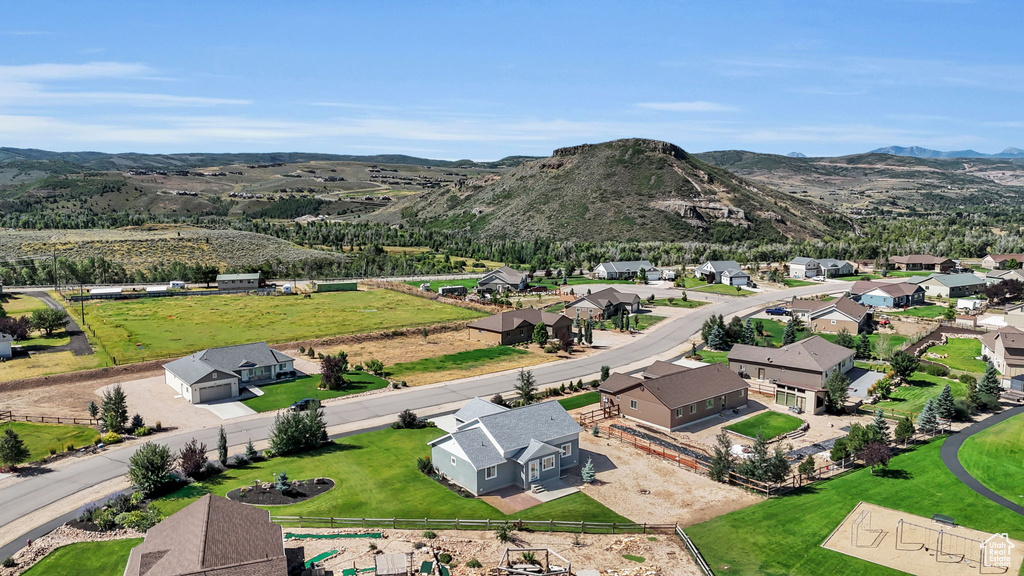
column 238, row 281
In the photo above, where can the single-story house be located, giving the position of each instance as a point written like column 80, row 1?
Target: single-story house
column 950, row 285
column 998, row 261
column 626, row 270
column 1014, row 315
column 5, row 345
column 214, row 536
column 887, row 295
column 801, row 267
column 921, row 262
column 215, row 374
column 832, row 267
column 517, row 447
column 678, row 397
column 713, row 271
column 798, row 370
column 516, row 326
column 1005, row 348
column 602, row 305
column 503, row 279
column 831, row 316
column 238, row 281
column 997, row 276
column 474, row 409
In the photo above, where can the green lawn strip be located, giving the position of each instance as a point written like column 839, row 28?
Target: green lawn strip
column 376, row 477
column 794, row 283
column 784, row 535
column 107, row 558
column 648, row 320
column 633, row 558
column 166, row 327
column 42, row 342
column 896, row 340
column 692, row 282
column 770, row 424
column 555, row 307
column 722, row 289
column 469, row 283
column 776, row 329
column 283, row 394
column 678, row 303
column 581, row 400
column 923, row 387
column 714, row 357
column 962, row 354
column 928, row 311
column 995, row 455
column 465, row 360
column 39, row 438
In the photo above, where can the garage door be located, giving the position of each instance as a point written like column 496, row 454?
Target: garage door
column 218, row 392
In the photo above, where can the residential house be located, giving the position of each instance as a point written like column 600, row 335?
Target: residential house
column 798, row 371
column 474, row 409
column 1005, row 348
column 831, row 316
column 802, row 267
column 516, row 326
column 215, row 374
column 950, row 285
column 452, row 291
column 887, row 295
column 5, row 345
column 998, row 261
column 723, row 272
column 214, row 536
column 626, row 270
column 603, row 304
column 832, row 268
column 238, row 281
column 1014, row 315
column 997, row 276
column 503, row 279
column 518, row 447
column 921, row 262
column 678, row 397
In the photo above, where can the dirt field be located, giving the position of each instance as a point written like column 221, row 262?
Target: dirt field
column 915, row 549
column 663, row 554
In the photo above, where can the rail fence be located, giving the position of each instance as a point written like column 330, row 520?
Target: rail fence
column 471, row 524
column 11, row 417
column 168, row 294
column 698, row 558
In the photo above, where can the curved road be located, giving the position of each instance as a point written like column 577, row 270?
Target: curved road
column 22, row 498
column 950, row 457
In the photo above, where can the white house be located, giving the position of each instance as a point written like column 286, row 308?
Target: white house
column 5, row 345
column 215, row 374
column 801, row 267
column 626, row 270
column 723, row 272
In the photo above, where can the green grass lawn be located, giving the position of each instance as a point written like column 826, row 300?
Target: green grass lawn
column 165, row 327
column 469, row 283
column 466, row 360
column 794, row 283
column 42, row 342
column 20, row 304
column 770, row 424
column 995, row 457
column 722, row 289
column 927, row 311
column 714, row 357
column 376, row 477
column 93, row 558
column 678, row 303
column 963, row 354
column 284, row 394
column 580, row 400
column 692, row 282
column 783, row 536
column 555, row 307
column 647, row 320
column 896, row 339
column 39, row 438
column 923, row 387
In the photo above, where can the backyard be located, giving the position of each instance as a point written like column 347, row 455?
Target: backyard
column 377, row 477
column 994, row 457
column 284, row 394
column 926, row 311
column 784, row 535
column 132, row 331
column 580, row 400
column 960, row 354
column 922, row 388
column 41, row 438
column 769, row 424
column 107, row 558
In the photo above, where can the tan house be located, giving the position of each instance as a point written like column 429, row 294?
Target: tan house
column 797, row 371
column 516, row 326
column 602, row 304
column 677, row 397
column 1014, row 315
column 950, row 285
column 831, row 316
column 213, row 536
column 1005, row 348
column 998, row 261
column 921, row 262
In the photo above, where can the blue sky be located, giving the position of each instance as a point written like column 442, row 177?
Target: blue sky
column 485, row 79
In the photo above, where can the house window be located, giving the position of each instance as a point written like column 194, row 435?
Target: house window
column 547, row 463
column 693, row 408
column 633, row 404
column 742, row 393
column 490, row 473
column 679, row 412
column 710, row 403
column 453, row 460
column 723, row 401
column 833, row 322
column 566, row 449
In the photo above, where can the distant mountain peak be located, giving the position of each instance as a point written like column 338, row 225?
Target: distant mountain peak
column 919, row 152
column 797, row 155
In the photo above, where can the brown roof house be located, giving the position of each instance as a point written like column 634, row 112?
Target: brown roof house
column 213, row 536
column 503, row 279
column 887, row 294
column 998, row 261
column 677, row 397
column 602, row 304
column 1005, row 348
column 797, row 371
column 921, row 262
column 516, row 326
column 831, row 316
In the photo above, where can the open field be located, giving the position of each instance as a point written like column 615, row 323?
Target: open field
column 40, row 438
column 722, row 289
column 961, row 354
column 469, row 283
column 284, row 394
column 45, row 364
column 467, row 360
column 922, row 388
column 784, row 535
column 107, row 558
column 377, row 478
column 132, row 331
column 994, row 457
column 20, row 304
column 927, row 311
column 769, row 424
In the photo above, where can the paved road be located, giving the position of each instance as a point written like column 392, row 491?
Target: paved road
column 22, row 498
column 79, row 344
column 950, row 457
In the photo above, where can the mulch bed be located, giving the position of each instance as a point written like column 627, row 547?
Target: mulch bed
column 266, row 494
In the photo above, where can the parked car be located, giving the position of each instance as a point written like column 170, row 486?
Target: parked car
column 301, row 405
column 777, row 311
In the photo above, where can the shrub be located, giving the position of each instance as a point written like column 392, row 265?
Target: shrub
column 250, row 451
column 425, row 465
column 473, row 563
column 418, row 545
column 140, row 520
column 158, row 426
column 210, row 469
column 429, row 535
column 121, row 503
column 373, row 546
column 444, row 558
column 9, row 562
column 298, row 431
column 137, row 422
column 269, row 453
column 240, row 460
column 142, row 431
column 192, row 458
column 104, row 520
column 551, row 348
column 70, row 447
column 88, row 514
column 53, row 451
column 110, row 438
column 407, row 419
column 150, row 467
column 503, row 533
column 961, row 410
column 936, row 370
column 967, row 379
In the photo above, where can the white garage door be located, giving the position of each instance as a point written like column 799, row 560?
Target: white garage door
column 218, row 392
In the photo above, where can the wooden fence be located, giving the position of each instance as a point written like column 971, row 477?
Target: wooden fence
column 471, row 524
column 698, row 558
column 9, row 417
column 587, row 418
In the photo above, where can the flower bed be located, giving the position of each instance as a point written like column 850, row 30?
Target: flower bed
column 268, row 494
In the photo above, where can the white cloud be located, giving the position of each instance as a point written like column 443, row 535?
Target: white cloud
column 41, row 72
column 695, row 106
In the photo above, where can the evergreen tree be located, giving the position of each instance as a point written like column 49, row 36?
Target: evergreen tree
column 722, row 460
column 881, row 425
column 150, row 468
column 863, row 350
column 540, row 334
column 734, row 330
column 114, row 408
column 944, row 407
column 789, row 334
column 605, row 372
column 904, row 430
column 718, row 340
column 525, row 383
column 764, row 465
column 989, row 385
column 807, row 466
column 587, row 472
column 623, row 321
column 845, row 340
column 973, row 396
column 590, row 332
column 927, row 420
column 904, row 365
column 94, row 410
column 12, row 449
column 222, row 447
column 748, row 334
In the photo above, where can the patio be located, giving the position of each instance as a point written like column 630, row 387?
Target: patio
column 511, row 499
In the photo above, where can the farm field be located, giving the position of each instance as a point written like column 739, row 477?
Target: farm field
column 784, row 535
column 284, row 394
column 922, row 388
column 377, row 478
column 961, row 354
column 769, row 424
column 994, row 457
column 107, row 558
column 40, row 438
column 132, row 331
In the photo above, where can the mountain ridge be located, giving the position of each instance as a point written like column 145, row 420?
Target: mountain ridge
column 920, row 152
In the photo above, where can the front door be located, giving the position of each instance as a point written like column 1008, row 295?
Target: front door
column 534, row 470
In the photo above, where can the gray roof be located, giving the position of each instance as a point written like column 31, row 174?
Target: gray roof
column 6, row 337
column 1006, row 274
column 535, row 449
column 255, row 276
column 951, row 280
column 832, row 263
column 514, row 429
column 476, row 408
column 479, row 449
column 194, row 367
column 504, row 274
column 627, row 265
column 918, row 259
column 814, row 353
column 722, row 265
column 735, row 273
column 803, row 261
column 607, row 297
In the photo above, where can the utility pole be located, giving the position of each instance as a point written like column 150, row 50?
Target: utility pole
column 81, row 293
column 55, row 288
